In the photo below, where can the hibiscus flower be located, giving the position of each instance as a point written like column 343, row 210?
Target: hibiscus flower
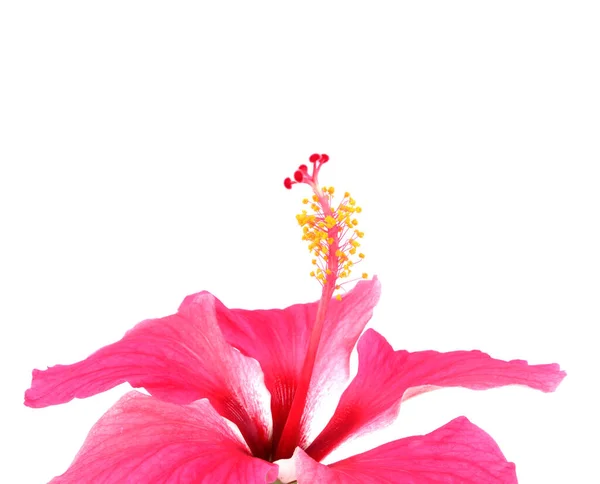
column 233, row 392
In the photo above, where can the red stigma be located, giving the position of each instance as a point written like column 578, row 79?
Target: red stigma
column 302, row 174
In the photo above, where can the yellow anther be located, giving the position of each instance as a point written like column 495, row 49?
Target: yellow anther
column 331, row 235
column 339, row 297
column 330, row 222
column 365, row 275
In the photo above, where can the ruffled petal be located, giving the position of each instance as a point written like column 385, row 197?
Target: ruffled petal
column 458, row 452
column 142, row 439
column 180, row 359
column 279, row 338
column 384, row 376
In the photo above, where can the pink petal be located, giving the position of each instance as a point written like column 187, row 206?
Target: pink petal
column 373, row 398
column 278, row 339
column 180, row 359
column 458, row 452
column 144, row 440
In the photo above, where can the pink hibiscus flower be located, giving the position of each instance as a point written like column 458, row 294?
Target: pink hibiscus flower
column 233, row 392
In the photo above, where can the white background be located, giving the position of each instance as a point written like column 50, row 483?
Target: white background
column 143, row 147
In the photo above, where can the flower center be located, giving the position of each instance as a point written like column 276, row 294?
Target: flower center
column 332, row 239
